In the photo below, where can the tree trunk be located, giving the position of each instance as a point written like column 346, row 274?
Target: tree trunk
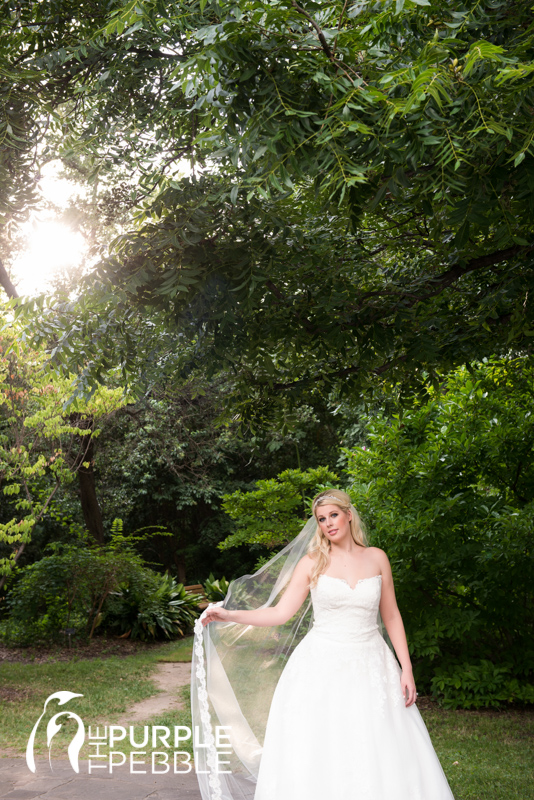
column 5, row 282
column 179, row 562
column 92, row 514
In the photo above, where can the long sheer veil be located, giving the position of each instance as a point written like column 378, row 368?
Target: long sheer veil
column 234, row 672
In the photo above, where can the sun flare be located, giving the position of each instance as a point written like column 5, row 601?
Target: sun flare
column 51, row 248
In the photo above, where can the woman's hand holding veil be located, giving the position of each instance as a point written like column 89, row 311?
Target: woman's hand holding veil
column 215, row 613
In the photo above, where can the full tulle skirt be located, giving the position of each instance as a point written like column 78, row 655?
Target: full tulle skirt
column 338, row 727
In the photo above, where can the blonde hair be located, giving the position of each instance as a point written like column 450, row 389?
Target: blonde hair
column 319, row 547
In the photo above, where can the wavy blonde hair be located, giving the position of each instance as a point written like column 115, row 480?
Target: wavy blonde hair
column 319, row 547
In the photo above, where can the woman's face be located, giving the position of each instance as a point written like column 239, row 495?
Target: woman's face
column 334, row 522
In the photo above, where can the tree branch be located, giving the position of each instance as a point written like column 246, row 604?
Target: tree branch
column 320, row 34
column 450, row 276
column 5, row 282
column 344, row 372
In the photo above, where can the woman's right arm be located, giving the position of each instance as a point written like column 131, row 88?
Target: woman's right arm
column 289, row 604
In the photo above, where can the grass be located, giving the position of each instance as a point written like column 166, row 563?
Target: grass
column 486, row 755
column 110, row 686
column 494, row 750
column 182, row 650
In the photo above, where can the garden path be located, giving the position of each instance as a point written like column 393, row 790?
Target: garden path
column 169, row 678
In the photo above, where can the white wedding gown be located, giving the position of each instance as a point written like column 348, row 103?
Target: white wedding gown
column 338, row 725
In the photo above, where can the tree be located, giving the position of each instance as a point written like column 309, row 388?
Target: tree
column 41, row 448
column 365, row 185
column 269, row 514
column 166, row 460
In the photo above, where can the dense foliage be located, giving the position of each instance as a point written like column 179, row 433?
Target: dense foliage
column 359, row 202
column 168, row 461
column 448, row 491
column 64, row 590
column 276, row 509
column 80, row 590
column 151, row 606
column 43, row 446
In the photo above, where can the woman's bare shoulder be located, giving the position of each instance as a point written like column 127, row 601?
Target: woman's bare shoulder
column 378, row 553
column 378, row 557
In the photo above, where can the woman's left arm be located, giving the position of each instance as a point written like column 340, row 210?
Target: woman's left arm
column 392, row 619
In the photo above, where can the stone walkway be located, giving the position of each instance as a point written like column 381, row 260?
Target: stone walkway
column 18, row 783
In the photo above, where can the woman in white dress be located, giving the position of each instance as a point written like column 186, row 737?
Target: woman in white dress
column 342, row 721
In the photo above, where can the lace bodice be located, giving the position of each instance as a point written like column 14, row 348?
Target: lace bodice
column 346, row 613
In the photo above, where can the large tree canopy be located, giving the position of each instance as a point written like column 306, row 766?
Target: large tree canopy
column 360, row 196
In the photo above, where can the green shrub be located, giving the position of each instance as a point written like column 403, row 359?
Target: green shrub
column 46, row 628
column 67, row 589
column 151, row 606
column 274, row 512
column 480, row 685
column 215, row 590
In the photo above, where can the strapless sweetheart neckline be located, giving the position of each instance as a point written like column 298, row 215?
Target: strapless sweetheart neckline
column 352, row 588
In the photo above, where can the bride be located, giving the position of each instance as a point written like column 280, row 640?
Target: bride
column 342, row 719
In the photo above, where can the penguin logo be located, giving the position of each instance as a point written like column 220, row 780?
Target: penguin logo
column 53, row 727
